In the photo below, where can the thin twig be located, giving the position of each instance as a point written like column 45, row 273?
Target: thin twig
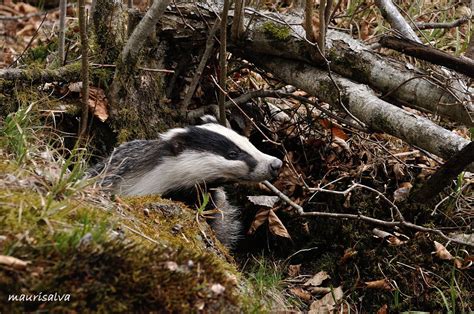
column 30, row 42
column 141, row 234
column 245, row 114
column 375, row 221
column 223, row 62
column 205, row 56
column 451, row 24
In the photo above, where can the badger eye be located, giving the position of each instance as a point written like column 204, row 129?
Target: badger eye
column 233, row 154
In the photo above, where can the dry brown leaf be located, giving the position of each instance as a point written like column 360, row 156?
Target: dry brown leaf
column 13, row 262
column 341, row 143
column 398, row 171
column 294, row 270
column 348, row 254
column 402, row 192
column 276, row 226
column 28, row 30
column 339, row 133
column 395, row 241
column 458, row 263
column 319, row 290
column 378, row 284
column 317, row 279
column 327, row 303
column 383, row 309
column 263, row 200
column 442, row 252
column 380, row 233
column 25, row 8
column 98, row 103
column 260, row 218
column 302, row 294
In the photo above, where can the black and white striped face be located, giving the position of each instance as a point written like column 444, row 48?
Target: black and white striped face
column 211, row 153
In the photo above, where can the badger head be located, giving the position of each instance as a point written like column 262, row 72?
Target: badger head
column 209, row 153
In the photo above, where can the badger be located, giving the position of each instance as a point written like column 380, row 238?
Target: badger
column 181, row 159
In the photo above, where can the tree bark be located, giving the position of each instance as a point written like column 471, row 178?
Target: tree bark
column 444, row 176
column 362, row 102
column 433, row 55
column 272, row 35
column 396, row 20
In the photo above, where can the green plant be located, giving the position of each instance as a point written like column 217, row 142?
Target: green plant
column 17, row 133
column 265, row 281
column 445, row 301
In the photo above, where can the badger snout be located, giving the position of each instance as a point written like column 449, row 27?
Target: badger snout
column 275, row 166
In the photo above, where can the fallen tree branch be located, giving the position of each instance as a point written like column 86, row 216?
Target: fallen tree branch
column 366, row 106
column 392, row 224
column 442, row 178
column 430, row 54
column 69, row 72
column 196, row 113
column 446, row 97
column 451, row 24
column 395, row 19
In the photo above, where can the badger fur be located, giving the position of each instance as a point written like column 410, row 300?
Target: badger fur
column 182, row 158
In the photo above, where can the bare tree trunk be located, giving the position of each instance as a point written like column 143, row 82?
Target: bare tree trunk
column 62, row 30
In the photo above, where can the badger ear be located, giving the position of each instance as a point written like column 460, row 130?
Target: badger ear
column 173, row 146
column 207, row 119
column 176, row 145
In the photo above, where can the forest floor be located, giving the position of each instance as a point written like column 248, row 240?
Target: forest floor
column 52, row 220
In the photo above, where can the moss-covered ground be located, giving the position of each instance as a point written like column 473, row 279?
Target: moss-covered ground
column 105, row 254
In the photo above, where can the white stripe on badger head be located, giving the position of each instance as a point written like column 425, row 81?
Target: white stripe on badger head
column 171, row 133
column 186, row 170
column 264, row 169
column 241, row 141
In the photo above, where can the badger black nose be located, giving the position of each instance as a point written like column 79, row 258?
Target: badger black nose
column 275, row 166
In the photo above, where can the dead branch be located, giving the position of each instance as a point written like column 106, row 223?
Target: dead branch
column 244, row 98
column 444, row 176
column 202, row 64
column 348, row 57
column 362, row 102
column 84, row 69
column 433, row 55
column 237, row 29
column 62, row 30
column 390, row 13
column 308, row 20
column 144, row 29
column 69, row 72
column 223, row 63
column 375, row 221
column 451, row 24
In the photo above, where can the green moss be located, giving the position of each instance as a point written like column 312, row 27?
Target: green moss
column 276, row 31
column 123, row 136
column 132, row 254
